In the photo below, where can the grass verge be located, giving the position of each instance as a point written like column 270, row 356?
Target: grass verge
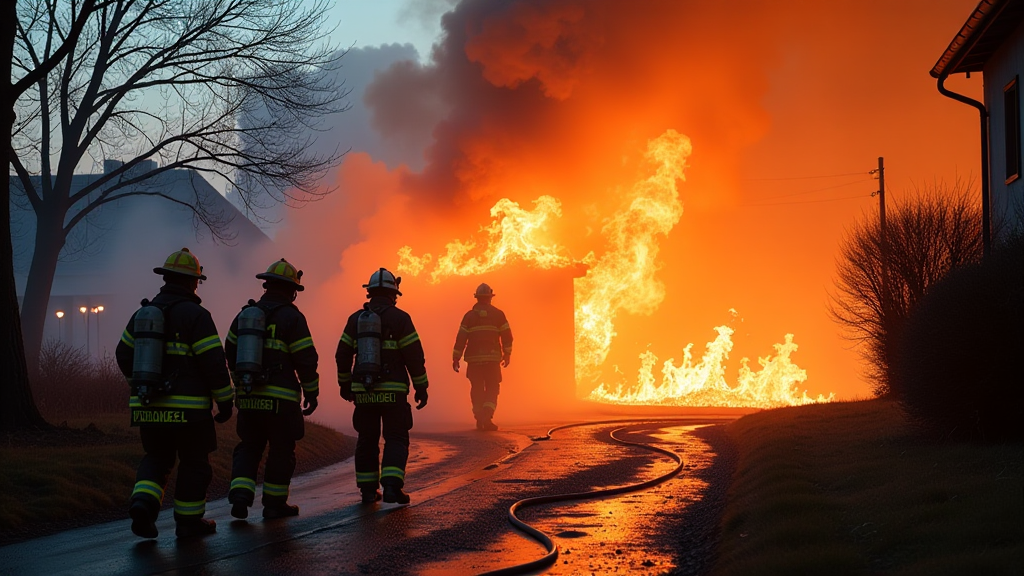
column 84, row 473
column 852, row 488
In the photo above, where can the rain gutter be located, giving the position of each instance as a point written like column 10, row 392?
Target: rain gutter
column 986, row 232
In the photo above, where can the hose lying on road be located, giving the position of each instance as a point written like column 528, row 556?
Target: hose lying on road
column 552, row 549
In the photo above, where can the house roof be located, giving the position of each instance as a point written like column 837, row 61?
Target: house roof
column 985, row 30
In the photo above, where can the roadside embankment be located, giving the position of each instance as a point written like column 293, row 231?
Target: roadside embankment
column 83, row 472
column 852, row 488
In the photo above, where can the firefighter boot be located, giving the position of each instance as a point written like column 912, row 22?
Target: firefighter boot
column 239, row 510
column 370, row 495
column 394, row 495
column 143, row 520
column 488, row 426
column 279, row 510
column 194, row 527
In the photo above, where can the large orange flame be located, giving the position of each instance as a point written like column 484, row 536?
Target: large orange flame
column 623, row 278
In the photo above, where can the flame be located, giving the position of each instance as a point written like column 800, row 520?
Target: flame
column 623, row 278
column 704, row 383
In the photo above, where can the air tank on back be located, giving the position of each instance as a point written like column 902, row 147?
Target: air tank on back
column 368, row 346
column 147, row 362
column 249, row 357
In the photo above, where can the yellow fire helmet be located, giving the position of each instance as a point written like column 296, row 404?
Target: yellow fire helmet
column 283, row 271
column 483, row 291
column 182, row 262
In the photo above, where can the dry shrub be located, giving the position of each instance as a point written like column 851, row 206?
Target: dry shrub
column 958, row 367
column 70, row 384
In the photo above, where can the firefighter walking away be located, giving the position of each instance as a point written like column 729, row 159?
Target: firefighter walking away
column 274, row 365
column 387, row 353
column 486, row 340
column 172, row 356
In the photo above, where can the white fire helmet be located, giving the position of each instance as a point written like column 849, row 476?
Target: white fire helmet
column 384, row 279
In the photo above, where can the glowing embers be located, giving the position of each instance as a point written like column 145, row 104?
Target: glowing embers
column 704, row 383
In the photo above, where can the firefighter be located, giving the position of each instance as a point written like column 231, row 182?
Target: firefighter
column 177, row 371
column 387, row 353
column 486, row 339
column 274, row 366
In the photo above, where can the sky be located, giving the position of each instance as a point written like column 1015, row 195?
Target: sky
column 787, row 107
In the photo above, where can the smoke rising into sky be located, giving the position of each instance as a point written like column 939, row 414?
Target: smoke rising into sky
column 529, row 98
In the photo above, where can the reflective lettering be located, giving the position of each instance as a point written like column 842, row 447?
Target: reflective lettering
column 255, row 404
column 375, row 398
column 158, row 417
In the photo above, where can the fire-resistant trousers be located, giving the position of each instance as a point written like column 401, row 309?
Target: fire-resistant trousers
column 369, row 420
column 191, row 446
column 256, row 429
column 485, row 384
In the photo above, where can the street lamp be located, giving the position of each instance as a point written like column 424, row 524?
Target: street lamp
column 85, row 316
column 60, row 325
column 96, row 310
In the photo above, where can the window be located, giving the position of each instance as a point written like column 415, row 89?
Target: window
column 1011, row 129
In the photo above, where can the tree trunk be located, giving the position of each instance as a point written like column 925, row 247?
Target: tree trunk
column 17, row 407
column 48, row 243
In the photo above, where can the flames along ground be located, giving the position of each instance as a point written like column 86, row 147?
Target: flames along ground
column 623, row 279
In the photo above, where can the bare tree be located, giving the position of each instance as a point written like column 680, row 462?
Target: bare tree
column 17, row 407
column 233, row 88
column 926, row 236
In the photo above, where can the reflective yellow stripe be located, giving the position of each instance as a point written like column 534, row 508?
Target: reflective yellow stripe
column 149, row 487
column 206, row 344
column 274, row 344
column 232, row 338
column 490, row 405
column 301, row 344
column 462, row 328
column 485, row 328
column 367, row 476
column 243, row 483
column 275, row 489
column 389, row 345
column 392, row 472
column 181, row 402
column 456, row 354
column 177, row 349
column 196, row 508
column 504, row 327
column 128, row 339
column 414, row 337
column 344, row 376
column 484, row 358
column 507, row 350
column 277, row 392
column 346, row 339
column 223, row 394
column 421, row 379
column 390, row 387
column 358, row 387
column 313, row 386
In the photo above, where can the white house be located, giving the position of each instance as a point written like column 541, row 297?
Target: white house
column 992, row 42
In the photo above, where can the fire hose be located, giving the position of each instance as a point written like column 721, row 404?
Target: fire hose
column 552, row 549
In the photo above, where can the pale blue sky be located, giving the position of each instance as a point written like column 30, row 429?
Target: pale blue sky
column 369, row 23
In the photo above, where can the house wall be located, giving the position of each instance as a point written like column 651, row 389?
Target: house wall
column 1007, row 200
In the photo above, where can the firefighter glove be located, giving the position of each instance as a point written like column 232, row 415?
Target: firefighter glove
column 455, row 365
column 505, row 360
column 309, row 405
column 224, row 410
column 421, row 398
column 346, row 394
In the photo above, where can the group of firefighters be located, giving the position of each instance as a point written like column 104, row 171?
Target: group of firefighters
column 178, row 369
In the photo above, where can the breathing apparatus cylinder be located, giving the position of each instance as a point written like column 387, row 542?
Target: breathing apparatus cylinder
column 252, row 324
column 369, row 364
column 147, row 363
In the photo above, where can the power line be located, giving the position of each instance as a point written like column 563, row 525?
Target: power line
column 811, row 177
column 810, row 201
column 817, row 190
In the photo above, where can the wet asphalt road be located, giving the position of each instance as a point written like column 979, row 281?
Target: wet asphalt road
column 461, row 486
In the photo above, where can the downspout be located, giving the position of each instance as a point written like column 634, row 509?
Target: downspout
column 986, row 239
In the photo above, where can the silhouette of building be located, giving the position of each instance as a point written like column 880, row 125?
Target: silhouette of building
column 108, row 259
column 992, row 42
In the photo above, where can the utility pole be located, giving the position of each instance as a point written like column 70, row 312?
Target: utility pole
column 883, row 232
